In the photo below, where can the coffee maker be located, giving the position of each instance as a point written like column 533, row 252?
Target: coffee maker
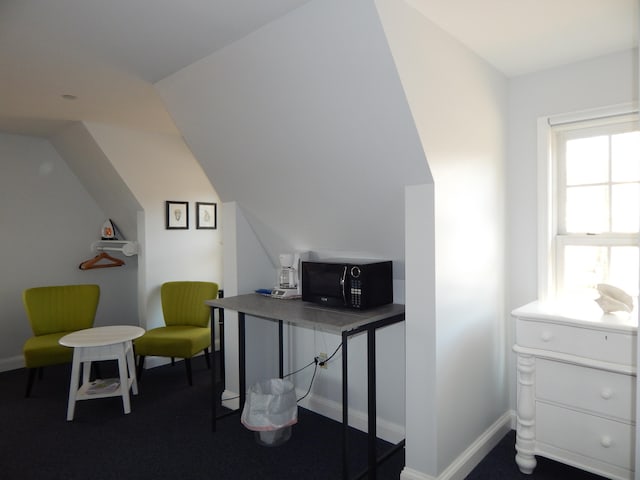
column 287, row 285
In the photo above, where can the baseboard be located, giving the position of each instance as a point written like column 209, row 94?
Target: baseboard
column 11, row 363
column 388, row 431
column 152, row 361
column 391, row 432
column 472, row 456
column 410, row 474
column 231, row 400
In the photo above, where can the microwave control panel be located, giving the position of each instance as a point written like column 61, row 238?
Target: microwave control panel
column 356, row 293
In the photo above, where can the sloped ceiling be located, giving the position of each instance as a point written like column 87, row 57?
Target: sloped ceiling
column 109, row 53
column 523, row 36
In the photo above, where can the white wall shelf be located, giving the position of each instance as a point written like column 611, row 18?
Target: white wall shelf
column 128, row 248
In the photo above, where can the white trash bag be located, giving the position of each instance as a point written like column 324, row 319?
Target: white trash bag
column 270, row 410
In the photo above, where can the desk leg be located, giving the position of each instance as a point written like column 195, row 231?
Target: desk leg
column 214, row 389
column 242, row 373
column 345, row 410
column 74, row 383
column 280, row 349
column 221, row 335
column 371, row 407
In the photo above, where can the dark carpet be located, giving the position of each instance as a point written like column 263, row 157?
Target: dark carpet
column 168, row 436
column 500, row 465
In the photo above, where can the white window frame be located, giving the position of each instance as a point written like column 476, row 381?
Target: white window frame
column 547, row 192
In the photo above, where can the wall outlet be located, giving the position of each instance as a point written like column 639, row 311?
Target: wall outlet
column 322, row 359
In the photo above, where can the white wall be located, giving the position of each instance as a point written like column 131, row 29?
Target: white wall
column 305, row 126
column 49, row 221
column 131, row 174
column 459, row 104
column 159, row 167
column 600, row 82
column 105, row 185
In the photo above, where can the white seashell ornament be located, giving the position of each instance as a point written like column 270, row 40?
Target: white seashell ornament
column 613, row 299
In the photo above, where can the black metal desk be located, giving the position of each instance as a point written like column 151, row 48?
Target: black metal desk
column 345, row 322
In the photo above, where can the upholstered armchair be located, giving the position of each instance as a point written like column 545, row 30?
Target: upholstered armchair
column 186, row 331
column 54, row 312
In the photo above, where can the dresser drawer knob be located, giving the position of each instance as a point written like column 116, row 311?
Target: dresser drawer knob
column 605, row 441
column 546, row 336
column 606, row 393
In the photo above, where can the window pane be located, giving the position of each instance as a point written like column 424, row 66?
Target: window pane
column 584, row 268
column 587, row 210
column 624, row 268
column 625, row 157
column 587, row 160
column 625, row 202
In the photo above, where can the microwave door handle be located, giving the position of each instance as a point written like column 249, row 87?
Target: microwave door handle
column 342, row 281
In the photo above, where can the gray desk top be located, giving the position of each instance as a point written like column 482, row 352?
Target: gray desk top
column 297, row 312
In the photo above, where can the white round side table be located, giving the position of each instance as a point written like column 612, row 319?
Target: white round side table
column 102, row 343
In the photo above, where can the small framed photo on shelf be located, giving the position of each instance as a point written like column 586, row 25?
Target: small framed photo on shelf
column 206, row 215
column 177, row 215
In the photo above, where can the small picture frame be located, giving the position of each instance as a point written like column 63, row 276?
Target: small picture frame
column 206, row 215
column 177, row 215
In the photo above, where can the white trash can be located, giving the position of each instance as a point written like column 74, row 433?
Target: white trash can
column 270, row 409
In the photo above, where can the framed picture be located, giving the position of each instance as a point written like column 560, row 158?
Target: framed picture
column 177, row 215
column 206, row 215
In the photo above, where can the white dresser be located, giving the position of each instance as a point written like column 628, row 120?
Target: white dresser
column 576, row 388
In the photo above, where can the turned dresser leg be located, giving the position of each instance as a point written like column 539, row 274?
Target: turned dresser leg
column 525, row 415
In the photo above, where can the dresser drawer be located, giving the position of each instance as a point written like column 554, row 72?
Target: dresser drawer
column 599, row 391
column 596, row 437
column 614, row 347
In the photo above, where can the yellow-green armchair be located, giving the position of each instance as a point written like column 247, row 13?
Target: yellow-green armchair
column 186, row 331
column 53, row 312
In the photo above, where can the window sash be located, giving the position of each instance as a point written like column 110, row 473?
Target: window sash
column 547, row 239
column 607, row 241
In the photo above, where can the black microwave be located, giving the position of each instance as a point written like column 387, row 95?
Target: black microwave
column 348, row 283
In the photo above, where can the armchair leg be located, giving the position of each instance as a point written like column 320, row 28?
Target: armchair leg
column 140, row 365
column 206, row 357
column 187, row 363
column 30, row 379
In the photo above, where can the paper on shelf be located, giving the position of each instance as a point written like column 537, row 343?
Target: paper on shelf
column 106, row 385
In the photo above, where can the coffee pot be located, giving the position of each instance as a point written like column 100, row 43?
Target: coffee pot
column 287, row 284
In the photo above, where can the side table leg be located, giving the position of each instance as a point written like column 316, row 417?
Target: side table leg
column 86, row 371
column 124, row 378
column 526, row 415
column 74, row 383
column 131, row 366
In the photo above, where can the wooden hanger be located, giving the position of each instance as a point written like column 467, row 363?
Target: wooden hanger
column 102, row 260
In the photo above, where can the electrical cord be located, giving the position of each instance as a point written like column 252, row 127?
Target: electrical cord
column 323, row 363
column 310, row 383
column 315, row 362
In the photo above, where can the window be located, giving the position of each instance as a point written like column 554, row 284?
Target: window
column 593, row 216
